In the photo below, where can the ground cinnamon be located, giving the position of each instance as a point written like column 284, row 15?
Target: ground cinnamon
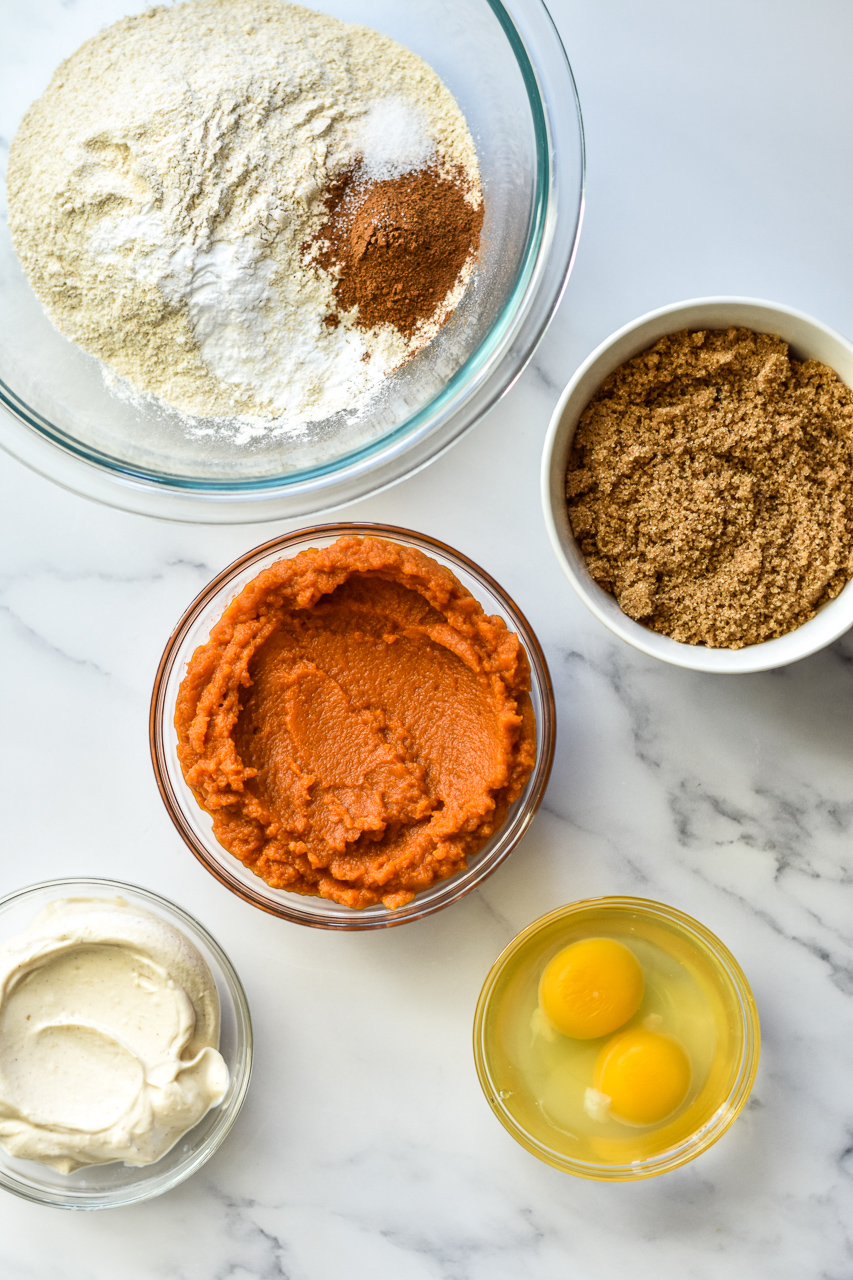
column 710, row 487
column 397, row 247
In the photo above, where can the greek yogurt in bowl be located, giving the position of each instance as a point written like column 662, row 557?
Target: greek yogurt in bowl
column 125, row 1044
column 109, row 1036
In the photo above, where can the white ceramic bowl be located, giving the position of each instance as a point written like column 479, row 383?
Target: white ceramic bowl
column 808, row 339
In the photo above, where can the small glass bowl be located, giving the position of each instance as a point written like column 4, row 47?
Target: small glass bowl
column 109, row 1186
column 506, row 997
column 195, row 824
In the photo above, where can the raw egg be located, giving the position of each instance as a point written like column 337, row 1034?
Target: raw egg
column 644, row 1074
column 591, row 988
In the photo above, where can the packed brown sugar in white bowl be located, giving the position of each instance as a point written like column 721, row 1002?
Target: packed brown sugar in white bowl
column 710, row 487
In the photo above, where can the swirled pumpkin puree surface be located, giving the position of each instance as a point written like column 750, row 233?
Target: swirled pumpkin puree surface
column 356, row 725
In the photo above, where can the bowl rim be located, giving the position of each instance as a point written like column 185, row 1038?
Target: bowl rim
column 726, row 1113
column 833, row 617
column 488, row 372
column 148, row 1188
column 514, row 828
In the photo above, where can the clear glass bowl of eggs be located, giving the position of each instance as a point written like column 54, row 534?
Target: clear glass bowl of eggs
column 616, row 1038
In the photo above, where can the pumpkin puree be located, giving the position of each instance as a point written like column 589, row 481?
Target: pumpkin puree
column 356, row 725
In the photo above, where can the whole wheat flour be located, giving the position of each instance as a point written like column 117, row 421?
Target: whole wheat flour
column 165, row 188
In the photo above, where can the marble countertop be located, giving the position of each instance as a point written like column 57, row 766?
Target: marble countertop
column 719, row 141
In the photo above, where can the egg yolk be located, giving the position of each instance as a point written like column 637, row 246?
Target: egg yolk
column 644, row 1074
column 591, row 988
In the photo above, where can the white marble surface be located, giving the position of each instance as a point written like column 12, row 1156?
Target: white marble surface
column 720, row 161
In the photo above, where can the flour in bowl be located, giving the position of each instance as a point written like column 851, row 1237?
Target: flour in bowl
column 167, row 190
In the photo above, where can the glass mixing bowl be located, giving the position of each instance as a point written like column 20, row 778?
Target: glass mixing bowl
column 195, row 825
column 504, row 62
column 509, row 998
column 108, row 1186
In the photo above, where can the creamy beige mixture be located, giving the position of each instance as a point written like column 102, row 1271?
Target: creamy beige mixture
column 109, row 1034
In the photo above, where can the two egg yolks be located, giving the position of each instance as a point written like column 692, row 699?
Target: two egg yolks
column 592, row 988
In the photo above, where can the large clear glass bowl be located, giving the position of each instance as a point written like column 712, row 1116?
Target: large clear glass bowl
column 195, row 824
column 505, row 63
column 108, row 1186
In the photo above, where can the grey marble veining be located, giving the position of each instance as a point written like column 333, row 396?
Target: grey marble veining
column 720, row 161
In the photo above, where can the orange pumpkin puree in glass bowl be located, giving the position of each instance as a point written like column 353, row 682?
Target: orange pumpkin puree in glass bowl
column 356, row 725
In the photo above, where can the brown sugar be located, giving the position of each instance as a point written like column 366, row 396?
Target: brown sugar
column 398, row 246
column 710, row 487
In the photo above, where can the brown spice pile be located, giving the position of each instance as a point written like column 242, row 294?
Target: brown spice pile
column 710, row 487
column 397, row 247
